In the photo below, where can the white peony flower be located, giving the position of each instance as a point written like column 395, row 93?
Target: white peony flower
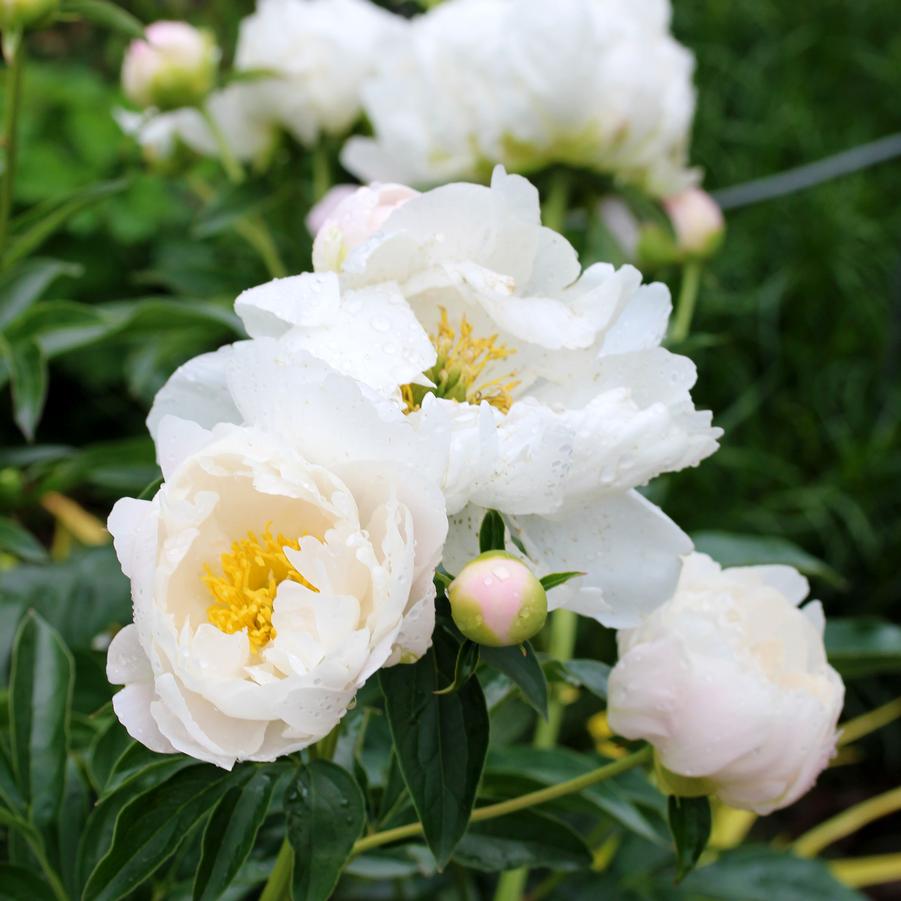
column 550, row 383
column 599, row 84
column 282, row 562
column 730, row 684
column 320, row 53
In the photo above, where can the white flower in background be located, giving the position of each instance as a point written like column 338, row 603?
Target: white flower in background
column 598, row 84
column 174, row 65
column 730, row 684
column 323, row 208
column 280, row 565
column 550, row 382
column 320, row 52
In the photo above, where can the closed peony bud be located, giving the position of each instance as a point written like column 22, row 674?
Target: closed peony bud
column 730, row 684
column 497, row 601
column 353, row 220
column 16, row 14
column 697, row 221
column 173, row 66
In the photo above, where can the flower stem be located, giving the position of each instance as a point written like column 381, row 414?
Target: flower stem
column 278, row 884
column 869, row 722
column 322, row 170
column 553, row 210
column 14, row 53
column 688, row 295
column 532, row 799
column 861, row 872
column 256, row 233
column 847, row 822
column 564, row 625
column 230, row 164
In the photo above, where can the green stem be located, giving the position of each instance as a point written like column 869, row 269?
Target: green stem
column 532, row 799
column 14, row 52
column 278, row 884
column 256, row 233
column 322, row 170
column 688, row 295
column 233, row 169
column 862, row 725
column 511, row 885
column 553, row 210
column 564, row 625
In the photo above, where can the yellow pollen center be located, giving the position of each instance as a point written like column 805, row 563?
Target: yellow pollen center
column 457, row 373
column 245, row 591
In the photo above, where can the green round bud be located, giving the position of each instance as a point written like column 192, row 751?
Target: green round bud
column 496, row 600
column 21, row 14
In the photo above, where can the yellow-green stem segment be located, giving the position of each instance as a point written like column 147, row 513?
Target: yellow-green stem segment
column 14, row 53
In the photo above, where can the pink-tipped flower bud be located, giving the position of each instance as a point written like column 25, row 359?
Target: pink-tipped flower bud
column 497, row 601
column 697, row 221
column 354, row 220
column 173, row 66
column 325, row 208
column 21, row 14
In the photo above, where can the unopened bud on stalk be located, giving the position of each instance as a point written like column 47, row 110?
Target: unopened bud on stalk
column 21, row 14
column 173, row 66
column 697, row 221
column 497, row 601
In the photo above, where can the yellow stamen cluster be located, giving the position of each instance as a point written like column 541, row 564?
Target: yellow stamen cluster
column 457, row 373
column 251, row 573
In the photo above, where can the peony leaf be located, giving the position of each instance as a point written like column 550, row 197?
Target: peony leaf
column 24, row 284
column 231, row 832
column 552, row 580
column 23, row 884
column 527, row 838
column 863, row 645
column 492, row 533
column 689, row 823
column 28, row 371
column 18, row 541
column 440, row 740
column 521, row 665
column 464, row 668
column 591, row 675
column 40, row 695
column 107, row 15
column 150, row 828
column 326, row 814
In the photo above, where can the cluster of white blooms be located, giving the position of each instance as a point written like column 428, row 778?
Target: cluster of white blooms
column 301, row 67
column 598, row 84
column 448, row 355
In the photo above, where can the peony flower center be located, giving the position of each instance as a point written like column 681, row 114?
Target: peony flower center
column 245, row 591
column 458, row 371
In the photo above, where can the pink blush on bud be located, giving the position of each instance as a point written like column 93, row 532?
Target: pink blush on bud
column 499, row 587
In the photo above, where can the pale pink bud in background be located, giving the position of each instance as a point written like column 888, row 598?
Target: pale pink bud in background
column 323, row 210
column 697, row 221
column 173, row 66
column 354, row 220
column 497, row 601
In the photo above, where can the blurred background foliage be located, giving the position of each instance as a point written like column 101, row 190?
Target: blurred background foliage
column 797, row 336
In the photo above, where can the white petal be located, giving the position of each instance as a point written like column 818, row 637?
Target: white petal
column 126, row 660
column 132, row 707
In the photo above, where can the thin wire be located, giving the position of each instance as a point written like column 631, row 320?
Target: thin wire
column 809, row 175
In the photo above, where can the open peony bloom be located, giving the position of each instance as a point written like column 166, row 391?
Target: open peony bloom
column 319, row 54
column 282, row 562
column 479, row 324
column 174, row 65
column 598, row 84
column 730, row 684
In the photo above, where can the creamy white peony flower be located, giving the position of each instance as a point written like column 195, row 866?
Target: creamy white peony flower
column 320, row 52
column 550, row 382
column 282, row 562
column 323, row 208
column 730, row 684
column 599, row 84
column 173, row 65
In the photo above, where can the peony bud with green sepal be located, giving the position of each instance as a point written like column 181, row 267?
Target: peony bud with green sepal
column 496, row 600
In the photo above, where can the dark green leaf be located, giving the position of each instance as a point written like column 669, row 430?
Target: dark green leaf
column 440, row 741
column 752, row 550
column 28, row 372
column 23, row 285
column 765, row 874
column 492, row 532
column 231, row 833
column 552, row 580
column 57, row 326
column 150, row 828
column 591, row 675
column 70, row 825
column 863, row 646
column 107, row 15
column 11, row 610
column 18, row 541
column 464, row 668
column 10, row 796
column 521, row 665
column 689, row 822
column 22, row 884
column 326, row 814
column 524, row 839
column 40, row 694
